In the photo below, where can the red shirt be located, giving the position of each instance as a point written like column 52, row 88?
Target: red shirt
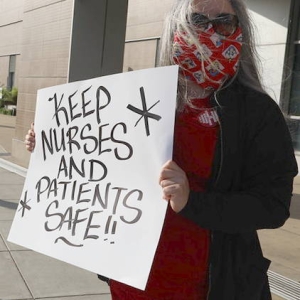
column 180, row 266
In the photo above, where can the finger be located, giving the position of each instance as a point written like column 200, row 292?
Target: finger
column 165, row 183
column 166, row 174
column 166, row 165
column 30, row 133
column 171, row 165
column 167, row 197
column 173, row 177
column 170, row 169
column 29, row 143
column 171, row 189
column 29, row 148
column 29, row 138
column 31, row 130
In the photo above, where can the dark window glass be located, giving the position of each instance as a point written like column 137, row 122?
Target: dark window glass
column 11, row 72
column 11, row 80
column 295, row 87
column 298, row 36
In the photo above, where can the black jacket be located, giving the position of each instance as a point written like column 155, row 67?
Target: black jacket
column 250, row 189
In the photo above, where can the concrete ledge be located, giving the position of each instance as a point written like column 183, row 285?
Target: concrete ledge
column 13, row 167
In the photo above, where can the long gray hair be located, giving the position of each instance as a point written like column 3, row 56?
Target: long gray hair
column 178, row 20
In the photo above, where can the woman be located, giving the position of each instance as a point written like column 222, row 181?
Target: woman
column 233, row 165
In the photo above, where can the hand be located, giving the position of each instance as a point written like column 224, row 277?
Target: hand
column 30, row 139
column 175, row 185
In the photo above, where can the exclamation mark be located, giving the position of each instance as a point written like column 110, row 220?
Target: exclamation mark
column 114, row 226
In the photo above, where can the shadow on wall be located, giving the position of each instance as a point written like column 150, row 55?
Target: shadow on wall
column 8, row 204
column 271, row 9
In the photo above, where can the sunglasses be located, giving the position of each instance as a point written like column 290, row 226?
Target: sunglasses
column 223, row 24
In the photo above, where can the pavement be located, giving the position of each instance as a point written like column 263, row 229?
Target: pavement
column 27, row 275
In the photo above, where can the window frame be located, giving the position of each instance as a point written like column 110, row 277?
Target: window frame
column 293, row 39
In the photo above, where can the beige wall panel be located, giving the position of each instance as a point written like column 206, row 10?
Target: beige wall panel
column 145, row 11
column 11, row 11
column 144, row 31
column 24, row 68
column 65, row 27
column 44, row 61
column 66, row 9
column 10, row 39
column 33, row 35
column 51, row 31
column 23, row 121
column 27, row 97
column 27, row 85
column 28, row 102
column 35, row 4
column 36, row 35
column 43, row 68
column 56, row 48
column 145, row 18
column 61, row 80
column 62, row 69
column 51, row 67
column 47, row 14
column 31, row 52
column 21, row 155
column 31, row 85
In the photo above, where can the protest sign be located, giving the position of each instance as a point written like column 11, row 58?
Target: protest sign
column 91, row 196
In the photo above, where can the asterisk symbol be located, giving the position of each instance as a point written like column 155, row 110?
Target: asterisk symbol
column 144, row 112
column 24, row 204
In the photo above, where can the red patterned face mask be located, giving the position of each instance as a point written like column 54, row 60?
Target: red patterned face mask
column 219, row 61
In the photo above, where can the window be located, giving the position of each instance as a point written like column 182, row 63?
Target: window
column 141, row 54
column 290, row 96
column 294, row 107
column 11, row 72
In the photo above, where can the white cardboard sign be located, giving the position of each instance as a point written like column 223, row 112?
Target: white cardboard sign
column 91, row 197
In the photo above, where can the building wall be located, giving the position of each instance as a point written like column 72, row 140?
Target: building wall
column 45, row 45
column 4, row 64
column 145, row 21
column 38, row 31
column 145, row 18
column 11, row 21
column 271, row 18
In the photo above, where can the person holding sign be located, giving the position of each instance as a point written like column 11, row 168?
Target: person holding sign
column 233, row 162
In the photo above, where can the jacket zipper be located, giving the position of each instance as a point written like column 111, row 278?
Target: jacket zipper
column 221, row 154
column 221, row 140
column 209, row 272
column 215, row 184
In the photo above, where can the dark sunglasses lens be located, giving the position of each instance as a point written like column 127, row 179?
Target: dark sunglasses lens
column 199, row 20
column 226, row 25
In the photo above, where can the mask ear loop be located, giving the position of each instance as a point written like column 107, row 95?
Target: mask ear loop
column 216, row 99
column 224, row 87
